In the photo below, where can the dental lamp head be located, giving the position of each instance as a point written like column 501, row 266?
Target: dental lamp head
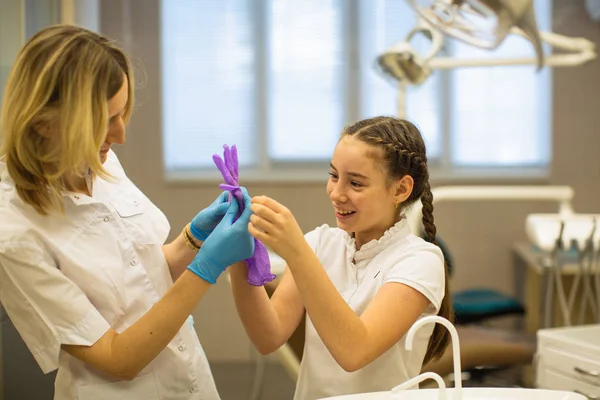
column 482, row 23
column 403, row 63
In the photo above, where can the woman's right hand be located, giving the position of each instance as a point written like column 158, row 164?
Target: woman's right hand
column 228, row 243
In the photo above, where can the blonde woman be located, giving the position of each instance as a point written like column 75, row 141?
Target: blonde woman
column 85, row 275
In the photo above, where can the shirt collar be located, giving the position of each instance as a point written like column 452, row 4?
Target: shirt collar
column 397, row 232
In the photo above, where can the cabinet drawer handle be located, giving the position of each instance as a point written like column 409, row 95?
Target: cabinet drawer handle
column 588, row 396
column 586, row 372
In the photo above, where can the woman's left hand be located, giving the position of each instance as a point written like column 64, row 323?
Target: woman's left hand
column 274, row 225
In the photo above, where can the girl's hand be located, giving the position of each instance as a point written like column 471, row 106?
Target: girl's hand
column 275, row 226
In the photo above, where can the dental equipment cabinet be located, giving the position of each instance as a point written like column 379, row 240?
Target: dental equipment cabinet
column 569, row 359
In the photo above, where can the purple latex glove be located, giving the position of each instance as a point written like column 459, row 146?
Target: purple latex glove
column 259, row 265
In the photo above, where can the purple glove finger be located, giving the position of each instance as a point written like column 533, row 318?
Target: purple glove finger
column 224, row 171
column 239, row 196
column 234, row 160
column 233, row 169
column 237, row 193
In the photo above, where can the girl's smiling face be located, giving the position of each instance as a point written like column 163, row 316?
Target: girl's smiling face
column 362, row 195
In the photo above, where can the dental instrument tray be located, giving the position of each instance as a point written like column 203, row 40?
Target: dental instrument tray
column 578, row 236
column 543, row 230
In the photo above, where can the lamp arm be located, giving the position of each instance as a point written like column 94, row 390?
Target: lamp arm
column 553, row 60
column 582, row 51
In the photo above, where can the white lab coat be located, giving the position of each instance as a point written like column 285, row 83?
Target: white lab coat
column 67, row 279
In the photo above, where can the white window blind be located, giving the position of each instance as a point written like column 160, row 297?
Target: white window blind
column 280, row 79
column 305, row 105
column 209, row 91
column 500, row 116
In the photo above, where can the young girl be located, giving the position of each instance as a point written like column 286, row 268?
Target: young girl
column 85, row 274
column 362, row 284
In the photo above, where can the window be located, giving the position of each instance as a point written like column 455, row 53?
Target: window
column 280, row 79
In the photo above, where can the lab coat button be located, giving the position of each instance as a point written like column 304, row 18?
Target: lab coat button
column 181, row 348
column 192, row 389
column 133, row 262
column 106, row 219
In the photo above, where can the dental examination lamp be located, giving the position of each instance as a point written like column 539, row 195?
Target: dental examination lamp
column 480, row 23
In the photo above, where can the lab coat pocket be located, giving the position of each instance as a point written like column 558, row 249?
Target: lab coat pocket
column 141, row 388
column 131, row 209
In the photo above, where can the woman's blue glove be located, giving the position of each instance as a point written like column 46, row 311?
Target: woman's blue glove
column 228, row 243
column 205, row 221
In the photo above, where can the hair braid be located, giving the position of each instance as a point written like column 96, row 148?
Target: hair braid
column 440, row 339
column 428, row 224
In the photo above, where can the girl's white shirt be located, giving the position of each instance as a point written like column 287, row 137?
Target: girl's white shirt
column 398, row 256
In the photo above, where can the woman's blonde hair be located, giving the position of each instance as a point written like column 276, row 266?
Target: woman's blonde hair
column 54, row 115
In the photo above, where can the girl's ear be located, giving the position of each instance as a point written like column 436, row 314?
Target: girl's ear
column 403, row 189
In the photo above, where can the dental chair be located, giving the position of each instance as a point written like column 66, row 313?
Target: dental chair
column 484, row 350
column 479, row 304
